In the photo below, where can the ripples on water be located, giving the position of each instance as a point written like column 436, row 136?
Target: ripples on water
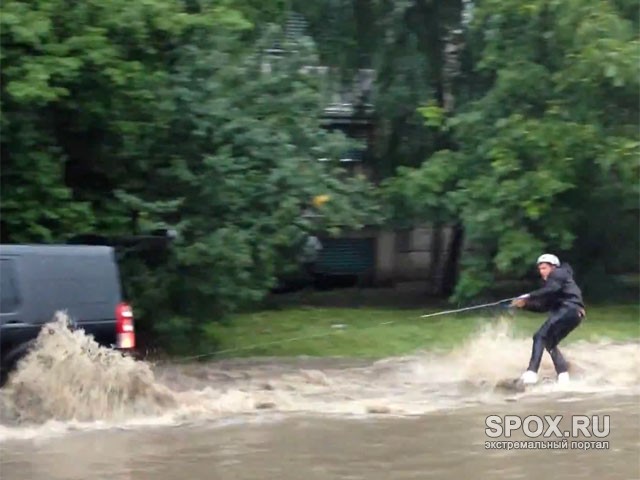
column 69, row 382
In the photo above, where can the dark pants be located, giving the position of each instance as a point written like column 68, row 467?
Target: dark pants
column 559, row 324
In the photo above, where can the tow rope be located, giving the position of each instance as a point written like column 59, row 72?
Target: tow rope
column 475, row 307
column 335, row 329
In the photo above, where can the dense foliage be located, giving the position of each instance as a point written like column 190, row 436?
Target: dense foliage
column 545, row 143
column 516, row 121
column 123, row 117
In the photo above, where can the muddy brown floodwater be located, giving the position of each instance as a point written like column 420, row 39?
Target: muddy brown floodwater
column 75, row 411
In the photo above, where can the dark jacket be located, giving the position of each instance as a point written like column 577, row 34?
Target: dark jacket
column 559, row 289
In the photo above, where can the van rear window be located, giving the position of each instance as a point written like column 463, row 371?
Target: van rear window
column 9, row 295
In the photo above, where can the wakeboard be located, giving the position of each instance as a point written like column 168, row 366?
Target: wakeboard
column 516, row 385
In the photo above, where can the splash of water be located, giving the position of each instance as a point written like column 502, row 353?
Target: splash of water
column 69, row 381
column 67, row 375
column 496, row 353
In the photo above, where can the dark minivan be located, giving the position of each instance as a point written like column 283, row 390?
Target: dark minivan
column 39, row 280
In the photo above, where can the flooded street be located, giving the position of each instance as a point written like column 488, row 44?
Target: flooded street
column 437, row 445
column 74, row 411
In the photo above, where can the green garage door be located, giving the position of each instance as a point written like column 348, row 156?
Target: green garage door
column 346, row 256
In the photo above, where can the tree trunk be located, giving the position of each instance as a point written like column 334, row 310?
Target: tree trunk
column 435, row 270
column 450, row 269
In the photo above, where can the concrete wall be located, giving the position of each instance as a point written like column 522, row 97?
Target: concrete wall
column 407, row 255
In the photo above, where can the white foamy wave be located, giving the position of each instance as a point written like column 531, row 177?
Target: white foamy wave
column 68, row 376
column 70, row 383
column 496, row 353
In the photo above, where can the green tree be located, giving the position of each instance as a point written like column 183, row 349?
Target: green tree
column 120, row 116
column 404, row 43
column 546, row 146
column 242, row 155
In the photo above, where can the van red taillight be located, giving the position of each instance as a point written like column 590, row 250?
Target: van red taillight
column 125, row 331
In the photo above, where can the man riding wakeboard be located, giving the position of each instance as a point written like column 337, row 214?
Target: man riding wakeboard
column 562, row 298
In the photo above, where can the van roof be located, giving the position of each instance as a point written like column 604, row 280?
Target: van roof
column 61, row 249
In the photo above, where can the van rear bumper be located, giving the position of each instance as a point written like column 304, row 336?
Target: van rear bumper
column 12, row 334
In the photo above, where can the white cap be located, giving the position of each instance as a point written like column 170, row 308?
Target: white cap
column 548, row 258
